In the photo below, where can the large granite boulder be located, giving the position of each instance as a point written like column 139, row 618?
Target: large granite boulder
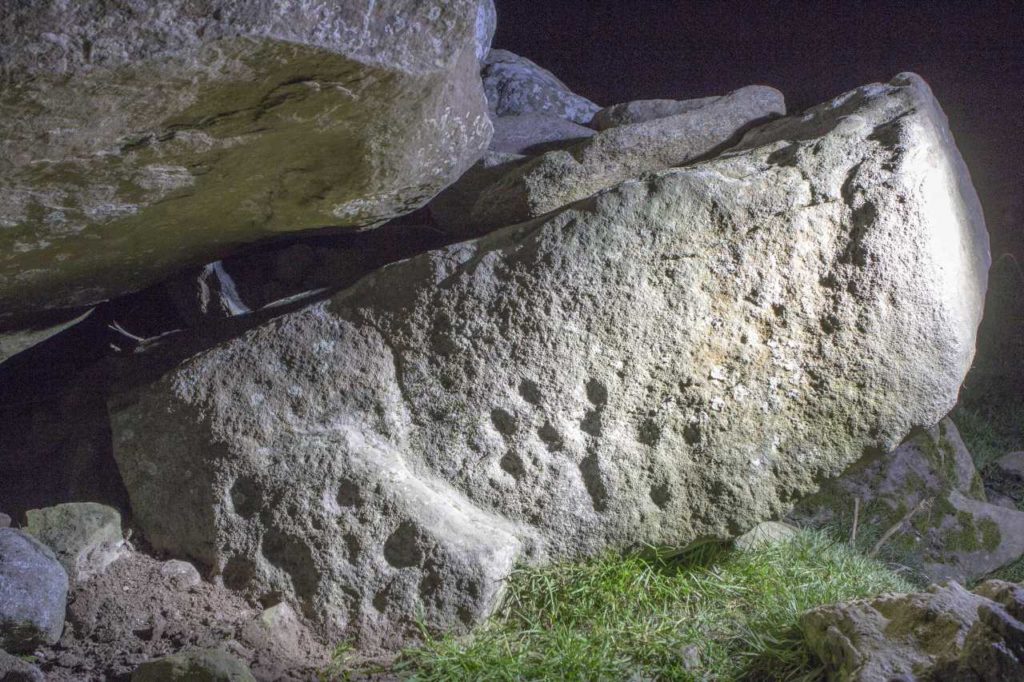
column 922, row 506
column 944, row 634
column 679, row 357
column 137, row 137
column 560, row 177
column 33, row 593
column 515, row 85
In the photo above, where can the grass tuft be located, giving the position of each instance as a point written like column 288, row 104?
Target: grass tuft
column 722, row 615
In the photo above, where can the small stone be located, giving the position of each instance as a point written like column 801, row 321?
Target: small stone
column 208, row 665
column 5, row 521
column 277, row 628
column 33, row 592
column 764, row 535
column 14, row 669
column 181, row 574
column 85, row 536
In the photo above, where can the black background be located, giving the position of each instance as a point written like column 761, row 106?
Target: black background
column 971, row 52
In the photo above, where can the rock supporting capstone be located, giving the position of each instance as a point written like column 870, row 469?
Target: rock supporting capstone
column 679, row 357
column 139, row 138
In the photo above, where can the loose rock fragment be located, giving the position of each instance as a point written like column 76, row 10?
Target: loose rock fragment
column 515, row 85
column 560, row 177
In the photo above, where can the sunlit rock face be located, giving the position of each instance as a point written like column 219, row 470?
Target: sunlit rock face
column 135, row 137
column 681, row 356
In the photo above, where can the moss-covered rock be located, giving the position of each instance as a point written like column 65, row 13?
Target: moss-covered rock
column 85, row 536
column 924, row 506
column 201, row 665
column 944, row 633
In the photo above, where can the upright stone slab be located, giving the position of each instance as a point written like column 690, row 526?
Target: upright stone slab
column 679, row 357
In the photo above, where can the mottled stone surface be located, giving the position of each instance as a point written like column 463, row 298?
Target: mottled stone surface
column 924, row 506
column 679, row 357
column 33, row 592
column 515, row 85
column 139, row 137
column 85, row 536
column 944, row 634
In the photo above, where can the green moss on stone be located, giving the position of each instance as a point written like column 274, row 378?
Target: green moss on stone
column 990, row 535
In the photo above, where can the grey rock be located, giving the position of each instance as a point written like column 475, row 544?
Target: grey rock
column 928, row 503
column 139, row 138
column 13, row 669
column 515, row 85
column 85, row 536
column 535, row 133
column 181, row 574
column 644, row 110
column 561, row 177
column 680, row 357
column 945, row 634
column 33, row 592
column 200, row 665
column 764, row 534
column 5, row 521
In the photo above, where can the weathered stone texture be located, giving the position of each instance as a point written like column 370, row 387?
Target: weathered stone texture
column 682, row 356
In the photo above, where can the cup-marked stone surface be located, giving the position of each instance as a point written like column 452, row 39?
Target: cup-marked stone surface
column 679, row 357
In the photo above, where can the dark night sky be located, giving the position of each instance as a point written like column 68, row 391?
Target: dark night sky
column 970, row 51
